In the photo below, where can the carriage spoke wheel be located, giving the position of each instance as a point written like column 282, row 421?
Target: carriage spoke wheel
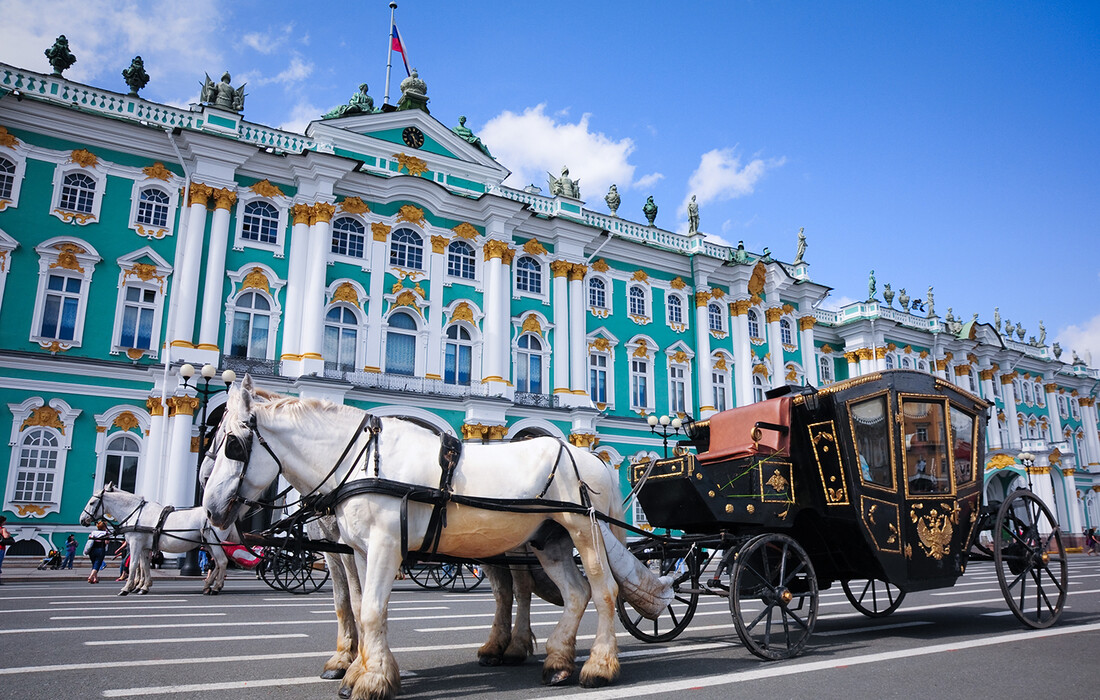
column 292, row 569
column 429, row 576
column 675, row 618
column 314, row 575
column 773, row 596
column 873, row 597
column 1030, row 559
column 464, row 577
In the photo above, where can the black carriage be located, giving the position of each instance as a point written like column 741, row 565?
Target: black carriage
column 874, row 482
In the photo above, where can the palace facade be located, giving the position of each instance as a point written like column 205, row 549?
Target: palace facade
column 379, row 261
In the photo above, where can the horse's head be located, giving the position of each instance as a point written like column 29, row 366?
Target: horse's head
column 232, row 472
column 94, row 509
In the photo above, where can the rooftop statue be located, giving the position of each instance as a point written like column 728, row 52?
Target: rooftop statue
column 564, row 186
column 997, row 318
column 464, row 133
column 135, row 76
column 612, row 199
column 360, row 103
column 903, row 299
column 222, row 94
column 414, row 93
column 871, row 286
column 59, row 56
column 1057, row 351
column 931, row 303
column 1042, row 334
column 766, row 257
column 740, row 257
column 888, row 294
column 650, row 210
column 693, row 216
column 1020, row 332
column 801, row 246
column 950, row 315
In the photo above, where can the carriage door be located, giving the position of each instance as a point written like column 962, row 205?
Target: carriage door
column 930, row 516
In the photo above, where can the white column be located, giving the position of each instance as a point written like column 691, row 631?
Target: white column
column 495, row 303
column 806, row 342
column 1043, row 487
column 187, row 277
column 379, row 238
column 295, row 285
column 434, row 359
column 313, row 304
column 1092, row 437
column 705, row 382
column 775, row 346
column 1052, row 411
column 179, row 482
column 866, row 360
column 852, row 356
column 1008, row 393
column 940, row 368
column 578, row 334
column 1073, row 505
column 213, row 305
column 742, row 362
column 993, row 432
column 559, row 270
column 152, row 467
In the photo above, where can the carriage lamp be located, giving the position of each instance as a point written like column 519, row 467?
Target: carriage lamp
column 666, row 426
column 190, row 565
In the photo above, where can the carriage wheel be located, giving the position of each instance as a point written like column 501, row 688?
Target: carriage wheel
column 295, row 572
column 873, row 597
column 463, row 577
column 267, row 568
column 314, row 575
column 430, row 576
column 678, row 614
column 773, row 596
column 1031, row 565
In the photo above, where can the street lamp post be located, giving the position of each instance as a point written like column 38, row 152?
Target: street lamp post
column 190, row 566
column 664, row 426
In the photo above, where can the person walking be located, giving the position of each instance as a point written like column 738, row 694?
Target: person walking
column 70, row 552
column 1091, row 541
column 6, row 540
column 96, row 549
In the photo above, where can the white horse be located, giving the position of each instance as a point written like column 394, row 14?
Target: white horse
column 180, row 531
column 299, row 437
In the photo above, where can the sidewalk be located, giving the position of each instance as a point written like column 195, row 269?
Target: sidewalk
column 25, row 570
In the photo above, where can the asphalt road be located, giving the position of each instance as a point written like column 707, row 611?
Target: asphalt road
column 68, row 639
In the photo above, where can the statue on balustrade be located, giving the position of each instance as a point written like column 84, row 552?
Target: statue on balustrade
column 650, row 210
column 59, row 56
column 564, row 186
column 740, row 257
column 360, row 103
column 135, row 76
column 693, row 216
column 612, row 199
column 801, row 246
column 463, row 132
column 222, row 94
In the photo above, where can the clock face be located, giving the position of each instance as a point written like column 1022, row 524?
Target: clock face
column 412, row 137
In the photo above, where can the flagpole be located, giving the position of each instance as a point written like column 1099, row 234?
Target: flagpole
column 389, row 53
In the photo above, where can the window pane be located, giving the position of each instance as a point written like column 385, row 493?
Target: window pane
column 258, row 343
column 962, row 445
column 924, row 437
column 400, row 352
column 870, row 427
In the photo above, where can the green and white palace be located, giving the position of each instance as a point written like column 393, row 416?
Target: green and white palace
column 379, row 261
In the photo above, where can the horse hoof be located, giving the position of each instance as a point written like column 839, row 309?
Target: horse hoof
column 489, row 661
column 557, row 678
column 124, row 592
column 595, row 682
column 334, row 674
column 345, row 691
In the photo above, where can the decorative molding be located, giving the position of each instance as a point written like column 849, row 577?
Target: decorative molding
column 584, row 440
column 827, row 349
column 224, row 199
column 577, row 272
column 560, row 268
column 462, row 312
column 256, row 279
column 702, row 298
column 44, row 416
column 411, row 214
column 806, row 323
column 157, row 171
column 301, row 213
column 600, row 343
column 773, row 314
column 640, row 276
column 533, row 247
column 265, row 188
column 182, row 405
column 601, row 265
column 380, row 231
column 7, row 139
column 496, row 249
column 354, row 205
column 466, row 231
column 154, row 406
column 414, row 165
column 321, row 212
column 531, row 325
column 346, row 292
column 66, row 257
column 126, row 421
column 84, row 158
column 677, row 282
column 439, row 244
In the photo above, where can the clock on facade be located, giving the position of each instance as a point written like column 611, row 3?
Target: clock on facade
column 412, row 137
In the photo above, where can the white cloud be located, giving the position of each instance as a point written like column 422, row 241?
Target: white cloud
column 1085, row 339
column 534, row 143
column 300, row 116
column 648, row 181
column 720, row 177
column 835, row 304
column 296, row 72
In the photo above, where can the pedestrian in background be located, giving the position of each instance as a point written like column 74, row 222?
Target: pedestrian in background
column 5, row 541
column 70, row 552
column 96, row 549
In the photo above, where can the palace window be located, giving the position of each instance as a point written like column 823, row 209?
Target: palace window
column 36, row 471
column 889, row 360
column 139, row 312
column 1074, row 407
column 457, row 356
column 78, row 192
column 721, row 389
column 639, row 383
column 906, row 363
column 407, row 249
column 64, row 279
column 636, row 302
column 785, row 335
column 153, row 206
column 121, row 465
column 597, row 377
column 529, row 364
column 348, row 237
column 63, row 302
column 715, row 318
column 675, row 310
column 460, row 260
column 401, row 345
column 7, row 178
column 528, row 275
column 597, row 293
column 754, row 324
column 341, row 337
column 757, row 388
column 261, row 223
column 825, row 369
column 677, row 384
column 251, row 326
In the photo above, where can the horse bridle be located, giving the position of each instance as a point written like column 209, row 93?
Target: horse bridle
column 98, row 508
column 239, row 449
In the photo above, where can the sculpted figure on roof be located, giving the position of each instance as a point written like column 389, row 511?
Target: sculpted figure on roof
column 360, row 103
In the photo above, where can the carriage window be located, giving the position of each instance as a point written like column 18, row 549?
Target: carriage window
column 871, row 432
column 962, row 445
column 924, row 431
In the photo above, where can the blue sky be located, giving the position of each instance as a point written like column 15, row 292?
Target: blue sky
column 952, row 144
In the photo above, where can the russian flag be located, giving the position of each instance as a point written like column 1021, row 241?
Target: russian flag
column 399, row 46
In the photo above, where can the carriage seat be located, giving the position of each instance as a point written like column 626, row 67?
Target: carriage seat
column 731, row 432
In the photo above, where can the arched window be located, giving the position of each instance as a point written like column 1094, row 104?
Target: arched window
column 757, row 388
column 675, row 309
column 597, row 377
column 401, row 345
column 407, row 249
column 785, row 335
column 639, row 382
column 1040, row 394
column 825, row 369
column 7, row 178
column 341, row 337
column 528, row 275
column 922, row 365
column 637, row 306
column 889, row 360
column 457, row 356
column 460, row 260
column 78, row 193
column 138, row 313
column 251, row 323
column 1028, row 398
column 348, row 237
column 597, row 293
column 906, row 363
column 123, row 452
column 529, row 364
column 62, row 305
column 261, row 223
column 677, row 389
column 153, row 207
column 37, row 469
column 715, row 318
column 754, row 324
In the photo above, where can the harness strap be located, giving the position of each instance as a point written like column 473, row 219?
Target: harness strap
column 160, row 526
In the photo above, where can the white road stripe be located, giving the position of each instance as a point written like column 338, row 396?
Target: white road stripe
column 198, row 688
column 872, row 628
column 93, row 628
column 142, row 616
column 792, row 668
column 115, row 642
column 969, row 592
